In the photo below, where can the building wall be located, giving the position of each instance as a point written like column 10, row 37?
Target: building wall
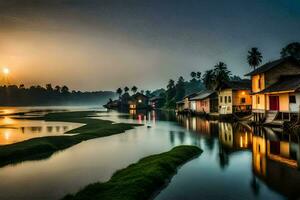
column 294, row 107
column 283, row 102
column 193, row 105
column 186, row 103
column 225, row 107
column 255, row 82
column 238, row 95
column 258, row 105
column 203, row 106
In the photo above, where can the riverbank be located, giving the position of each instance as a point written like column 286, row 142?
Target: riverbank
column 140, row 180
column 39, row 148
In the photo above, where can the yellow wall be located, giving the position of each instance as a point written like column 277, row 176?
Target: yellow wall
column 283, row 101
column 262, row 102
column 259, row 155
column 238, row 95
column 255, row 84
column 225, row 108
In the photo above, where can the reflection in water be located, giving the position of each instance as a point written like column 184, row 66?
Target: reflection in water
column 17, row 130
column 238, row 161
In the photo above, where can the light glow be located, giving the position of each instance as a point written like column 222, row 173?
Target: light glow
column 6, row 71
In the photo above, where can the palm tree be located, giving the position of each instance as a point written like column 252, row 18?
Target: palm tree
column 199, row 75
column 209, row 79
column 292, row 49
column 193, row 75
column 254, row 57
column 126, row 89
column 221, row 72
column 119, row 92
column 134, row 89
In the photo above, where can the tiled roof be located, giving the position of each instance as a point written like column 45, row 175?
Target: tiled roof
column 203, row 94
column 271, row 65
column 285, row 83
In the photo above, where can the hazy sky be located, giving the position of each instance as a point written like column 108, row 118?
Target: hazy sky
column 101, row 45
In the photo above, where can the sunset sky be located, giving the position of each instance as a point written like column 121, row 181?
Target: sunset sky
column 102, row 45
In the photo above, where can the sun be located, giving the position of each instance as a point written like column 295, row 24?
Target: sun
column 6, row 71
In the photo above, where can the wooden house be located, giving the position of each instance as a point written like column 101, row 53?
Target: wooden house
column 156, row 102
column 185, row 104
column 275, row 89
column 205, row 101
column 138, row 101
column 234, row 96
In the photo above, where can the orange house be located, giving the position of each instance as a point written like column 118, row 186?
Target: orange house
column 275, row 87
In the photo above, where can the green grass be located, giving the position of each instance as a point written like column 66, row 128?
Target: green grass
column 38, row 148
column 141, row 180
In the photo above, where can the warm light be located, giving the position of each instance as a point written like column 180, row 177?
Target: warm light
column 140, row 101
column 243, row 93
column 6, row 71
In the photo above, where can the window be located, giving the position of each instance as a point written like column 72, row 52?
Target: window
column 257, row 100
column 229, row 99
column 225, row 99
column 259, row 83
column 243, row 100
column 221, row 99
column 292, row 98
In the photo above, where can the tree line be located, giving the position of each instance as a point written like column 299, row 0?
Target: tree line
column 13, row 95
column 220, row 72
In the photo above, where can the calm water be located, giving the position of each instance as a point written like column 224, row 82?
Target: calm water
column 237, row 162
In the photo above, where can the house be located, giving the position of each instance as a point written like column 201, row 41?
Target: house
column 275, row 87
column 156, row 102
column 234, row 96
column 185, row 104
column 205, row 101
column 138, row 101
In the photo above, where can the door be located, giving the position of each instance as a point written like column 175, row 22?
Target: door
column 274, row 102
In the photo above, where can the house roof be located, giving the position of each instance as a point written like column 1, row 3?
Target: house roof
column 244, row 84
column 190, row 95
column 270, row 65
column 138, row 94
column 285, row 83
column 180, row 102
column 155, row 98
column 203, row 95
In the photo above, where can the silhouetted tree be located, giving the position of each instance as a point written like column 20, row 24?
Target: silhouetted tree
column 65, row 89
column 209, row 79
column 134, row 89
column 148, row 93
column 170, row 94
column 193, row 75
column 126, row 89
column 254, row 57
column 180, row 90
column 221, row 73
column 57, row 89
column 292, row 49
column 199, row 75
column 119, row 92
column 49, row 87
column 142, row 91
column 235, row 78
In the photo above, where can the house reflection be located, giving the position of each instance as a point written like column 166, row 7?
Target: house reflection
column 275, row 154
column 276, row 160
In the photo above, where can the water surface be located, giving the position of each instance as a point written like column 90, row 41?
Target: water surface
column 238, row 162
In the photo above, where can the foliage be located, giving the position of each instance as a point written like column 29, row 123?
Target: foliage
column 134, row 89
column 13, row 95
column 292, row 49
column 180, row 89
column 209, row 79
column 254, row 57
column 141, row 180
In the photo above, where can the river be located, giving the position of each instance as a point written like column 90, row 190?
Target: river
column 238, row 161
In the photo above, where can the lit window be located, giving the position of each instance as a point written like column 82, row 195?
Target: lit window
column 140, row 101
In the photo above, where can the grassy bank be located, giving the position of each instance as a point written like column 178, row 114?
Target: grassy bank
column 44, row 147
column 140, row 180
